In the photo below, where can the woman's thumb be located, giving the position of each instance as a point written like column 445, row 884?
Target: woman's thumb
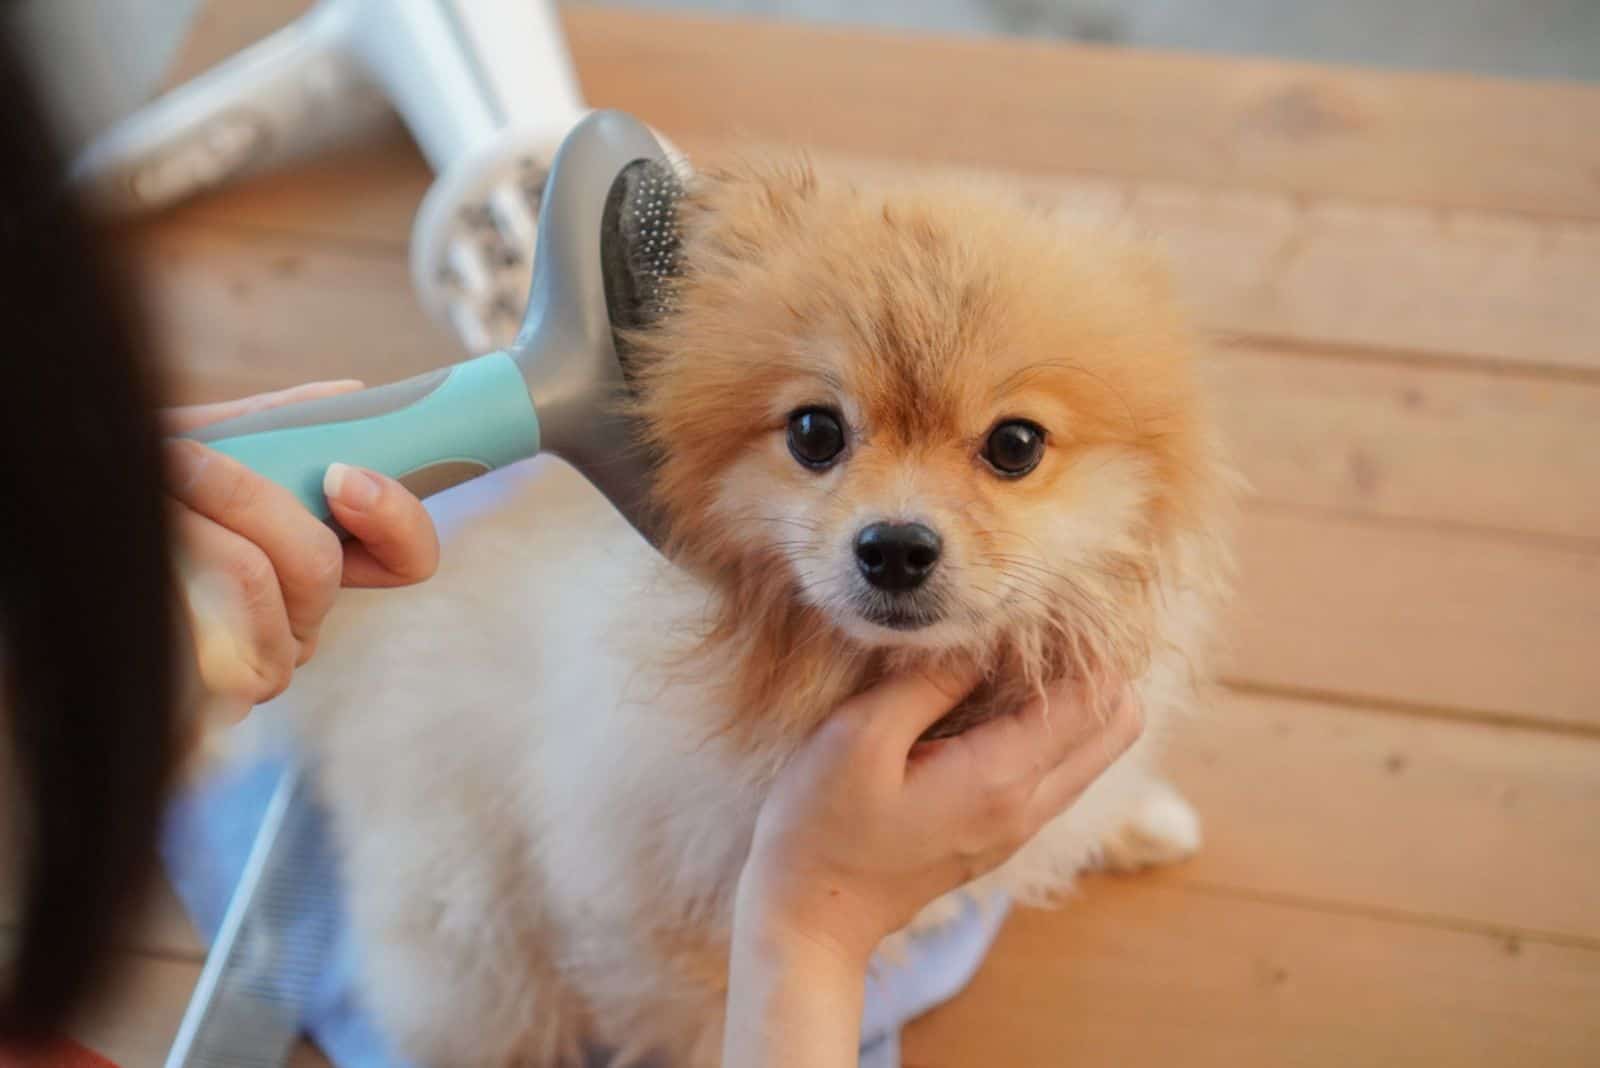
column 903, row 706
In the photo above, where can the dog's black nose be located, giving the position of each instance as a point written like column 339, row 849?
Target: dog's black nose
column 897, row 556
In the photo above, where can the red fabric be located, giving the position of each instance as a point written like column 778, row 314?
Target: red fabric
column 63, row 1054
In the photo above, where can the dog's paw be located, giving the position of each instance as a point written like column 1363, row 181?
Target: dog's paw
column 1162, row 828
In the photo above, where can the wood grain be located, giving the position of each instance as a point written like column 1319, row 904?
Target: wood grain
column 1298, row 258
column 1478, row 286
column 238, row 313
column 1432, row 139
column 1137, row 973
column 1502, row 290
column 1443, row 141
column 1452, row 822
column 1396, row 441
column 1140, row 972
column 1434, row 618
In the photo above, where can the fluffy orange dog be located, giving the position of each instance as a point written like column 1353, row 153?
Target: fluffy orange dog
column 892, row 423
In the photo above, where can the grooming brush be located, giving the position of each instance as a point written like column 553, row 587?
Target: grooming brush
column 605, row 261
column 486, row 88
column 270, row 950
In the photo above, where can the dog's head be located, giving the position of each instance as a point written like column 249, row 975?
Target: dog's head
column 926, row 419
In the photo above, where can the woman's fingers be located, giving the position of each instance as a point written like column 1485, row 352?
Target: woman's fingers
column 396, row 542
column 1024, row 745
column 259, row 571
column 896, row 712
column 304, row 553
column 1086, row 759
column 1012, row 773
column 243, row 642
column 193, row 416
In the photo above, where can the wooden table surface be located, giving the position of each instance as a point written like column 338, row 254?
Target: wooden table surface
column 1401, row 786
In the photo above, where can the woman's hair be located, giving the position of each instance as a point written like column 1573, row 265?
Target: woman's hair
column 88, row 668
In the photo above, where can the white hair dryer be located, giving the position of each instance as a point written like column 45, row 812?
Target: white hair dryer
column 486, row 88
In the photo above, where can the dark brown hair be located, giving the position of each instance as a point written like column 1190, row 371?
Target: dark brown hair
column 88, row 673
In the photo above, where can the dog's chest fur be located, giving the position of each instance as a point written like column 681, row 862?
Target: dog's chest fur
column 510, row 747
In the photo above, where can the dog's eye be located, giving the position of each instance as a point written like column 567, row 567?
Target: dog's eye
column 1014, row 448
column 816, row 437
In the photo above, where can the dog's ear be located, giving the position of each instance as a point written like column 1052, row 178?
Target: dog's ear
column 742, row 208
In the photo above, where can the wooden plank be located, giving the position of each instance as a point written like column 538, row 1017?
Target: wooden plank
column 1481, row 625
column 1438, row 139
column 1508, row 291
column 1396, row 441
column 1300, row 264
column 364, row 195
column 1461, row 822
column 1139, row 973
column 1137, row 970
column 243, row 312
column 1047, row 107
column 1501, row 289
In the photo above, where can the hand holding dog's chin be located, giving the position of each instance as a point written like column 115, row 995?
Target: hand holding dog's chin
column 865, row 827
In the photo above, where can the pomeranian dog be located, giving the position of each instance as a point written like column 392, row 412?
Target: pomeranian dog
column 891, row 423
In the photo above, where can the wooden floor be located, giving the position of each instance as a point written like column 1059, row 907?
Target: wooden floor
column 1401, row 788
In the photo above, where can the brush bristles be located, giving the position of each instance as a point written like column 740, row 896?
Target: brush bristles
column 650, row 228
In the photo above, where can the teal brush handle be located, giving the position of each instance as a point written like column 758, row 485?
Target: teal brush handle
column 430, row 432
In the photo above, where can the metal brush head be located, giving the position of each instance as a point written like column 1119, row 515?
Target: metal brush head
column 607, row 254
column 645, row 259
column 475, row 237
column 270, row 953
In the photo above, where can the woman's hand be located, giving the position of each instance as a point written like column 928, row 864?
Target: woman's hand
column 260, row 572
column 865, row 827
